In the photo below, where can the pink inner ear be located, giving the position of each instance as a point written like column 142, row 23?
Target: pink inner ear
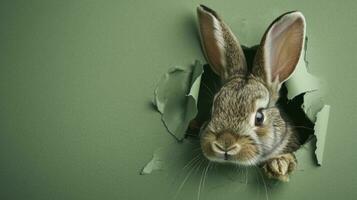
column 284, row 43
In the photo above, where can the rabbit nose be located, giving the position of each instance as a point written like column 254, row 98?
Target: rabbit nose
column 225, row 150
column 225, row 145
column 226, row 139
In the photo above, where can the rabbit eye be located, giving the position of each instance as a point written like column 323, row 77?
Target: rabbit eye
column 259, row 118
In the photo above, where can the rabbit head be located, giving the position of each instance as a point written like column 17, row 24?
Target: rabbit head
column 245, row 126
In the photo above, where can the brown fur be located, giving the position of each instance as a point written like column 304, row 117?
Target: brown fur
column 231, row 135
column 234, row 57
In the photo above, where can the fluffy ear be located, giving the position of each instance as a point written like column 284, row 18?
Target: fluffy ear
column 280, row 48
column 222, row 49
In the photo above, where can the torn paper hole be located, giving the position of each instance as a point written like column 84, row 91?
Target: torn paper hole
column 184, row 98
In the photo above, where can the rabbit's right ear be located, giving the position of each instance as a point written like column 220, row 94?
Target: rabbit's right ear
column 222, row 49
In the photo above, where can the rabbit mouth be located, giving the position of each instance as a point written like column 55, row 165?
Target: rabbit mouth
column 233, row 160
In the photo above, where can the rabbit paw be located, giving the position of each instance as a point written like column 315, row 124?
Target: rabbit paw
column 280, row 167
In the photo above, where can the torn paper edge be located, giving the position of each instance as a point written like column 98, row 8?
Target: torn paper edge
column 154, row 164
column 192, row 96
column 301, row 81
column 160, row 106
column 321, row 132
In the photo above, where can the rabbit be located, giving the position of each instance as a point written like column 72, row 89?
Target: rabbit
column 246, row 127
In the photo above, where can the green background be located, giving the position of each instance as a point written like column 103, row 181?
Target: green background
column 77, row 78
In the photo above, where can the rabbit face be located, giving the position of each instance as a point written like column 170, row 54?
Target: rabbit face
column 242, row 125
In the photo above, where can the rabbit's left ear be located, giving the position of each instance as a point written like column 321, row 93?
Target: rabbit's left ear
column 280, row 48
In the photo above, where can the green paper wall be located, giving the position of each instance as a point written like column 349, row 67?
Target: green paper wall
column 77, row 79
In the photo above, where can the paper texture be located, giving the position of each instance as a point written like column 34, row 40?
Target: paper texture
column 176, row 97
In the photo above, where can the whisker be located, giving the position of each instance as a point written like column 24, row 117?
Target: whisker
column 201, row 184
column 257, row 178
column 206, row 173
column 189, row 162
column 246, row 176
column 265, row 186
column 240, row 172
column 197, row 163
